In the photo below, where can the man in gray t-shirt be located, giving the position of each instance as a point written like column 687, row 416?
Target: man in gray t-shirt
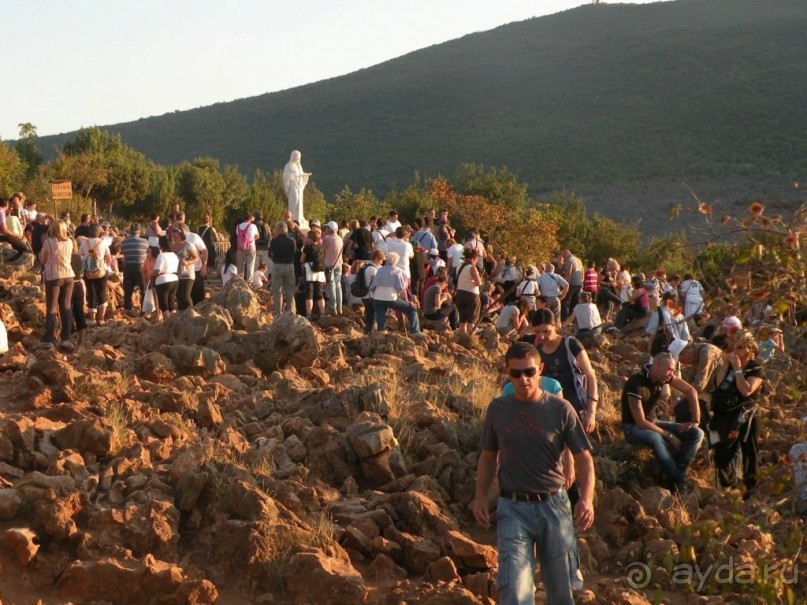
column 525, row 435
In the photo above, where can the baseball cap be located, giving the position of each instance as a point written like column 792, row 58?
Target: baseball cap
column 332, row 226
column 434, row 252
column 135, row 227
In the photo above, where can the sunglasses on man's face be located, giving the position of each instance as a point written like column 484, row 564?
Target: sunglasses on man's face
column 528, row 372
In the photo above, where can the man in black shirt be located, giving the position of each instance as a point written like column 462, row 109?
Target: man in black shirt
column 282, row 249
column 362, row 242
column 674, row 445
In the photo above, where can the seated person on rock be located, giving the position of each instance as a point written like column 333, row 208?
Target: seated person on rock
column 674, row 445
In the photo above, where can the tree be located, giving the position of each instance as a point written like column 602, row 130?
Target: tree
column 411, row 203
column 526, row 232
column 499, row 185
column 108, row 169
column 348, row 205
column 574, row 227
column 12, row 170
column 27, row 149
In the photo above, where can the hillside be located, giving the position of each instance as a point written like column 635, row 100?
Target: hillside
column 594, row 95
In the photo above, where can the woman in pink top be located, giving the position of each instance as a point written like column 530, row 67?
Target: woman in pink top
column 57, row 274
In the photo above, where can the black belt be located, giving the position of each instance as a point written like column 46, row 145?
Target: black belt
column 525, row 496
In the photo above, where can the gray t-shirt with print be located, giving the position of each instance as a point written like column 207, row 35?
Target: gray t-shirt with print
column 530, row 437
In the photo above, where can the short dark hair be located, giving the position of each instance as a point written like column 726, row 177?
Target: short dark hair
column 521, row 350
column 542, row 317
column 400, row 232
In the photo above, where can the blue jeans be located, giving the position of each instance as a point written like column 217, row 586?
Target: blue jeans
column 548, row 525
column 333, row 289
column 381, row 306
column 673, row 464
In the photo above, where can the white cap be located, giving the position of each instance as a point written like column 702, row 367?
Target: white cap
column 434, row 252
column 675, row 348
column 332, row 226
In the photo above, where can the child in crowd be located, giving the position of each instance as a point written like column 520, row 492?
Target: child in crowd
column 770, row 341
column 259, row 276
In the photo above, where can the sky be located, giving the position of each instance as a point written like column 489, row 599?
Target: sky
column 81, row 63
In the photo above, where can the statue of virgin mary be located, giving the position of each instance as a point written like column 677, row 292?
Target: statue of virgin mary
column 294, row 181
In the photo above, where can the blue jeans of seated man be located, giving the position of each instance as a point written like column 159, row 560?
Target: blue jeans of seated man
column 381, row 306
column 333, row 289
column 520, row 526
column 673, row 464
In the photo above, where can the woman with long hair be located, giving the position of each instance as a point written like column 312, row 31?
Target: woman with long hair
column 57, row 274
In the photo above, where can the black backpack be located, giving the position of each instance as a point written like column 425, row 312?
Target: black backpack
column 360, row 288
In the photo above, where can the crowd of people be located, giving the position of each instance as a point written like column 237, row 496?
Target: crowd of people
column 703, row 378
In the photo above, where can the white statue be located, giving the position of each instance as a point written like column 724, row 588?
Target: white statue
column 294, row 181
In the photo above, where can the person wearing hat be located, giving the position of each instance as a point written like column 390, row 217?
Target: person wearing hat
column 730, row 325
column 134, row 249
column 332, row 251
column 435, row 262
column 666, row 324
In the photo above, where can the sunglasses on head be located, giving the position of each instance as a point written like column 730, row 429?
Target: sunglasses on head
column 528, row 372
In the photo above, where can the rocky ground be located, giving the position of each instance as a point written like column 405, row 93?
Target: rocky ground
column 228, row 456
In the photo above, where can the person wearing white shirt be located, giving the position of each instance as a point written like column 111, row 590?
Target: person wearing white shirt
column 165, row 277
column 454, row 252
column 403, row 249
column 195, row 240
column 392, row 222
column 586, row 315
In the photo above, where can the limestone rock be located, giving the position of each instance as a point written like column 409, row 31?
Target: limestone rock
column 194, row 359
column 23, row 542
column 10, row 503
column 132, row 582
column 240, row 301
column 314, row 577
column 95, row 435
column 470, row 553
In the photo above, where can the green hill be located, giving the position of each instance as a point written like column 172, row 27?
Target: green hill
column 598, row 94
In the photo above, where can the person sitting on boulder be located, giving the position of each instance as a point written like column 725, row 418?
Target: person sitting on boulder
column 674, row 445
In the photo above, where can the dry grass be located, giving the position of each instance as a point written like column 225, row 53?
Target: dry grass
column 281, row 542
column 120, row 417
column 90, row 386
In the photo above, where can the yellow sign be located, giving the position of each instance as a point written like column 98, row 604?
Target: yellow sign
column 61, row 190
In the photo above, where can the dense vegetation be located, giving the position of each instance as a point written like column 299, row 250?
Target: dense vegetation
column 596, row 94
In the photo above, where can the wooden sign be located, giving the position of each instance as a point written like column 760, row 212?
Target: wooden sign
column 61, row 190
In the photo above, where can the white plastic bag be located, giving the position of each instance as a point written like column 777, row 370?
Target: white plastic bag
column 148, row 305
